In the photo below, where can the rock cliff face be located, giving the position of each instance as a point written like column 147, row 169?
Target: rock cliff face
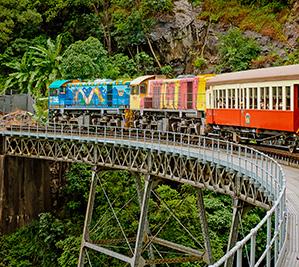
column 182, row 37
column 27, row 188
column 291, row 28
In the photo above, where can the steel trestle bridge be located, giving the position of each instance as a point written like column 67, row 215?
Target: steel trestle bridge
column 248, row 176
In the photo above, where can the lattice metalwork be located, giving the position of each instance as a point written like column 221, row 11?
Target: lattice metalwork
column 170, row 166
column 240, row 172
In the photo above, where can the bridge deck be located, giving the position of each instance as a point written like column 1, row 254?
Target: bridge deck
column 250, row 164
column 292, row 254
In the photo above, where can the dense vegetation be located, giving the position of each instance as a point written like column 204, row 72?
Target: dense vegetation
column 54, row 239
column 41, row 41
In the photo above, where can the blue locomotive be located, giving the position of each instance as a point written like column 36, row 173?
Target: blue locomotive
column 85, row 102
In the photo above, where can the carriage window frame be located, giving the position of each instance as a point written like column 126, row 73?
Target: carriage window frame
column 280, row 97
column 229, row 98
column 288, row 97
column 255, row 100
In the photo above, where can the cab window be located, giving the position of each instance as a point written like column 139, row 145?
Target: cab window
column 142, row 89
column 134, row 90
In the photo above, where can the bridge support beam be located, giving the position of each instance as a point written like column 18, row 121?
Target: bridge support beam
column 138, row 261
column 140, row 192
column 88, row 216
column 204, row 225
column 239, row 210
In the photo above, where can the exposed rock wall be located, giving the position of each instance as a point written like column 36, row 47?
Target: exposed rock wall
column 181, row 37
column 27, row 188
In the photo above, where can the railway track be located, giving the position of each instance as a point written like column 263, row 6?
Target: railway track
column 282, row 156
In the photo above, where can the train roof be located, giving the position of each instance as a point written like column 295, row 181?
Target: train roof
column 58, row 83
column 290, row 72
column 141, row 79
column 73, row 83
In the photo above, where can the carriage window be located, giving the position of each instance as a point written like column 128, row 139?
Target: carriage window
column 249, row 98
column 241, row 95
column 233, row 93
column 237, row 98
column 267, row 96
column 255, row 98
column 230, row 98
column 274, row 94
column 215, row 95
column 222, row 99
column 288, row 97
column 279, row 97
column 226, row 101
column 262, row 101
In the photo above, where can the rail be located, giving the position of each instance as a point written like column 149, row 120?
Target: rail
column 260, row 168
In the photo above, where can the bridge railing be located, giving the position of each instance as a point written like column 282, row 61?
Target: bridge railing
column 262, row 170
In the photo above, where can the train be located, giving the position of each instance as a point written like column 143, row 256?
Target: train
column 254, row 106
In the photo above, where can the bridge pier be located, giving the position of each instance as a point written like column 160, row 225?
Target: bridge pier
column 240, row 208
column 204, row 225
column 139, row 189
column 88, row 216
column 137, row 258
column 27, row 188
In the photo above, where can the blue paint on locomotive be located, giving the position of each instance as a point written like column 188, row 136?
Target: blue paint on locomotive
column 86, row 95
column 121, row 95
column 99, row 94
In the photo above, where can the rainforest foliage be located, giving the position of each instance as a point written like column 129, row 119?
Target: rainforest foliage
column 54, row 239
column 45, row 40
column 41, row 41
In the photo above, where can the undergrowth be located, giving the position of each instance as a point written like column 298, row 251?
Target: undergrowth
column 266, row 18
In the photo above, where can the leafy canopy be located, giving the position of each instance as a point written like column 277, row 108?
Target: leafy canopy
column 236, row 51
column 85, row 59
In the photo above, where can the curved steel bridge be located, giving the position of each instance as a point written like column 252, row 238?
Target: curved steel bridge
column 248, row 176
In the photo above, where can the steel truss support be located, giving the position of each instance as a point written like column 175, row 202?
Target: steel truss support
column 88, row 216
column 138, row 261
column 147, row 229
column 240, row 208
column 171, row 166
column 204, row 225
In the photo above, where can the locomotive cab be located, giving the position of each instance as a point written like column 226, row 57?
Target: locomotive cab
column 139, row 91
column 57, row 94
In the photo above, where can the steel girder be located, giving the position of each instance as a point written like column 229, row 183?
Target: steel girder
column 167, row 165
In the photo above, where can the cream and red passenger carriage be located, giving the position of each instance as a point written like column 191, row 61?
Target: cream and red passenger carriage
column 260, row 105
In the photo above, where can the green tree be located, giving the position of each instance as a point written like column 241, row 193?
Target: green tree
column 236, row 51
column 85, row 59
column 19, row 18
column 46, row 62
column 22, row 77
column 38, row 67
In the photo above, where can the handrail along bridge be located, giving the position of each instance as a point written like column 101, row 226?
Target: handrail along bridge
column 248, row 176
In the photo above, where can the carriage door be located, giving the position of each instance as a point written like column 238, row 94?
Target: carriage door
column 189, row 95
column 109, row 95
